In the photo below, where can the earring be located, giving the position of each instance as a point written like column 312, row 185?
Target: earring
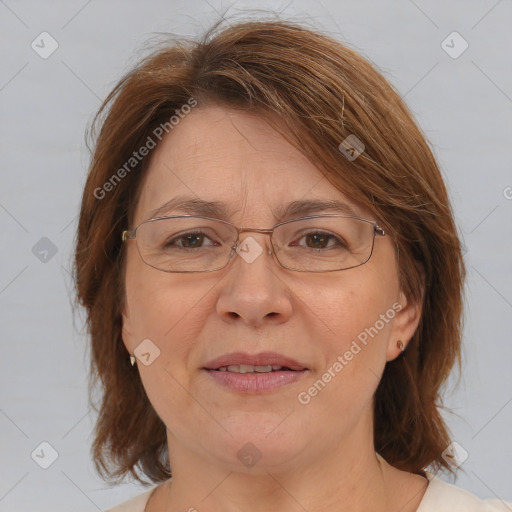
column 400, row 345
column 132, row 360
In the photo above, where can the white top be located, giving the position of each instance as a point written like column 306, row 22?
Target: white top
column 439, row 497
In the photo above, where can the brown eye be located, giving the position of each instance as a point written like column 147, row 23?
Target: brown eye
column 321, row 240
column 193, row 240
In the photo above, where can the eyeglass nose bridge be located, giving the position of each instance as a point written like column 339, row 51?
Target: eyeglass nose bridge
column 254, row 230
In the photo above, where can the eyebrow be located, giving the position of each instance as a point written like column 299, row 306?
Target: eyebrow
column 220, row 210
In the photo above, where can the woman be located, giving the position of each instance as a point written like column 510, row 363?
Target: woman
column 272, row 277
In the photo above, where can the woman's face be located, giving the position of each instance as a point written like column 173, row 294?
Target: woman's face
column 342, row 326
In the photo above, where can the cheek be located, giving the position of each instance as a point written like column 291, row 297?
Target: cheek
column 170, row 310
column 353, row 304
column 356, row 316
column 152, row 305
column 354, row 356
column 165, row 310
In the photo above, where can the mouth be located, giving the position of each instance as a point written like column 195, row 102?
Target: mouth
column 254, row 382
column 249, row 368
column 264, row 362
column 268, row 372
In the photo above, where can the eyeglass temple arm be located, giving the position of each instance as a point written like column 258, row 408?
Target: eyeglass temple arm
column 128, row 235
column 379, row 230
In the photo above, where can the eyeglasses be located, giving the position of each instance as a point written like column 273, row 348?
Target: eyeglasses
column 319, row 243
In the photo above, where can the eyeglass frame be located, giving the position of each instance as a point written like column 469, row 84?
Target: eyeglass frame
column 131, row 234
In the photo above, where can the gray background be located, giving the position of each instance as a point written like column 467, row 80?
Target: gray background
column 463, row 104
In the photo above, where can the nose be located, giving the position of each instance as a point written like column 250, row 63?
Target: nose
column 254, row 290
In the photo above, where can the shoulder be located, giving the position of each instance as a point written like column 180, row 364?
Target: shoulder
column 443, row 497
column 135, row 504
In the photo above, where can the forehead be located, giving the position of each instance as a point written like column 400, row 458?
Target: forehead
column 237, row 161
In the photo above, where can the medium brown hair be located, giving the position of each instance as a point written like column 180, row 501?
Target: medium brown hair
column 323, row 92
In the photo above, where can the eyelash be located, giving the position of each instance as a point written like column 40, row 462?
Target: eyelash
column 182, row 236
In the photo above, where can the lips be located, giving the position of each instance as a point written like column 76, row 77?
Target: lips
column 265, row 372
column 263, row 359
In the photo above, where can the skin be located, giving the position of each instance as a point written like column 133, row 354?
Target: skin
column 318, row 456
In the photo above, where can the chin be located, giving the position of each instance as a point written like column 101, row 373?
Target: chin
column 258, row 442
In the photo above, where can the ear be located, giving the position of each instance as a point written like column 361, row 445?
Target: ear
column 405, row 323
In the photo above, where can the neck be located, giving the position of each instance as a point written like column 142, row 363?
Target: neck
column 342, row 480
